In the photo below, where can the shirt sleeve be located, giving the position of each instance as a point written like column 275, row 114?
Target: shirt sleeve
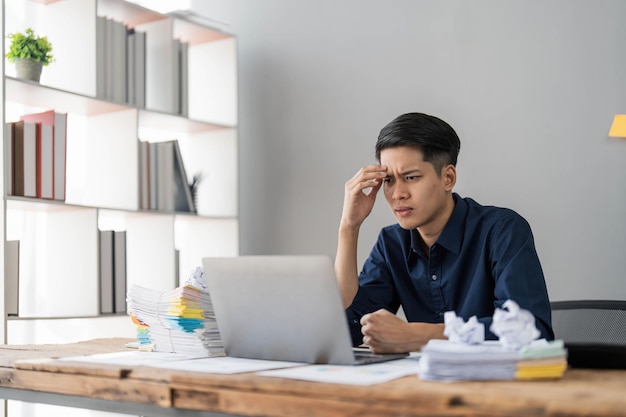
column 376, row 291
column 517, row 272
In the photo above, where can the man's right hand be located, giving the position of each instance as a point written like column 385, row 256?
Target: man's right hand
column 360, row 195
column 357, row 205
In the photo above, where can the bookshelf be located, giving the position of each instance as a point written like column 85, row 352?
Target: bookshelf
column 194, row 103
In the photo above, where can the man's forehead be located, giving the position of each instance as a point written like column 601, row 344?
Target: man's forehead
column 401, row 155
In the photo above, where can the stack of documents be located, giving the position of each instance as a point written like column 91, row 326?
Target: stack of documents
column 490, row 360
column 545, row 360
column 179, row 321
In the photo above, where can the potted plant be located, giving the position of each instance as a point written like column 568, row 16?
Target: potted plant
column 30, row 53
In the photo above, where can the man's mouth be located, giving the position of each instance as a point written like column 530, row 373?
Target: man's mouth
column 403, row 211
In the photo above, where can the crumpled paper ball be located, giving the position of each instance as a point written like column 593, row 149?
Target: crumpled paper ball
column 471, row 332
column 515, row 327
column 197, row 279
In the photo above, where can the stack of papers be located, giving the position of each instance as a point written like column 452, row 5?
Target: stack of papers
column 491, row 360
column 179, row 321
column 546, row 360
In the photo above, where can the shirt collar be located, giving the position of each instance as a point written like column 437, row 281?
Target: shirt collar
column 452, row 234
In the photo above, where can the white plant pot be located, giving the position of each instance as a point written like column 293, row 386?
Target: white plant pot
column 28, row 69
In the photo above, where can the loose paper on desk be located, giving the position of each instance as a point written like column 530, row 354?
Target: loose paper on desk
column 225, row 365
column 182, row 362
column 130, row 358
column 375, row 373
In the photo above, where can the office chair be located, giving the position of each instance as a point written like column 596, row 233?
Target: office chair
column 594, row 332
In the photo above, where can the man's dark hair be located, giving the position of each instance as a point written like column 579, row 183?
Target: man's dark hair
column 435, row 138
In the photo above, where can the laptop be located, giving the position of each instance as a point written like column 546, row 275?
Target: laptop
column 285, row 308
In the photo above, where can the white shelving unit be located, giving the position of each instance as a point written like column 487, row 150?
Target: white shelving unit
column 58, row 282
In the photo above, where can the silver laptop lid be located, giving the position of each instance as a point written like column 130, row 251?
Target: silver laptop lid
column 279, row 308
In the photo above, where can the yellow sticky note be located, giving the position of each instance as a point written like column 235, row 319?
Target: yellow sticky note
column 618, row 128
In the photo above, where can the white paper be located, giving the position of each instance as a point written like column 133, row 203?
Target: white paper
column 351, row 375
column 182, row 362
column 131, row 358
column 515, row 327
column 471, row 332
column 225, row 365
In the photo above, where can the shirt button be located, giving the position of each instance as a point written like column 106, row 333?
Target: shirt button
column 434, row 277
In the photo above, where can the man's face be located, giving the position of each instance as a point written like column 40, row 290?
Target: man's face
column 415, row 192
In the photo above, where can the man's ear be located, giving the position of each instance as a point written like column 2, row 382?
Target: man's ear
column 449, row 176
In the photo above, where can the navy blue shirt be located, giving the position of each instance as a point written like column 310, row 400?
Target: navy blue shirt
column 484, row 256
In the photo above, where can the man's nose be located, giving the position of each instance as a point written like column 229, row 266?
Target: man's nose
column 400, row 191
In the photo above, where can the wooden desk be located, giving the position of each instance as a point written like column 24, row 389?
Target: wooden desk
column 28, row 374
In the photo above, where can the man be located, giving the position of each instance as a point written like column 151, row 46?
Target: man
column 447, row 253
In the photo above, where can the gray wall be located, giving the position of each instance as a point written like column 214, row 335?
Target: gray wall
column 530, row 86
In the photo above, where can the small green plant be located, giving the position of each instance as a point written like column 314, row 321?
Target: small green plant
column 29, row 46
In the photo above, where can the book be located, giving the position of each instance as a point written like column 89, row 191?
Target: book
column 184, row 79
column 101, row 48
column 119, row 62
column 166, row 176
column 159, row 67
column 183, row 200
column 176, row 81
column 11, row 277
column 119, row 273
column 25, row 169
column 45, row 162
column 9, row 139
column 108, row 69
column 144, row 175
column 154, row 179
column 140, row 69
column 163, row 183
column 105, row 261
column 131, row 89
column 59, row 153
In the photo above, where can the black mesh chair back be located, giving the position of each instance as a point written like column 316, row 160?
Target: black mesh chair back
column 594, row 332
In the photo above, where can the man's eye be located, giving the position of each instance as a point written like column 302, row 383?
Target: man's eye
column 412, row 177
column 387, row 181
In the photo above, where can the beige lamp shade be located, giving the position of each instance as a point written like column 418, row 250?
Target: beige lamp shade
column 618, row 128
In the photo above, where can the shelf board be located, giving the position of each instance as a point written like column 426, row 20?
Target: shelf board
column 129, row 13
column 37, row 204
column 35, row 94
column 194, row 34
column 176, row 123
